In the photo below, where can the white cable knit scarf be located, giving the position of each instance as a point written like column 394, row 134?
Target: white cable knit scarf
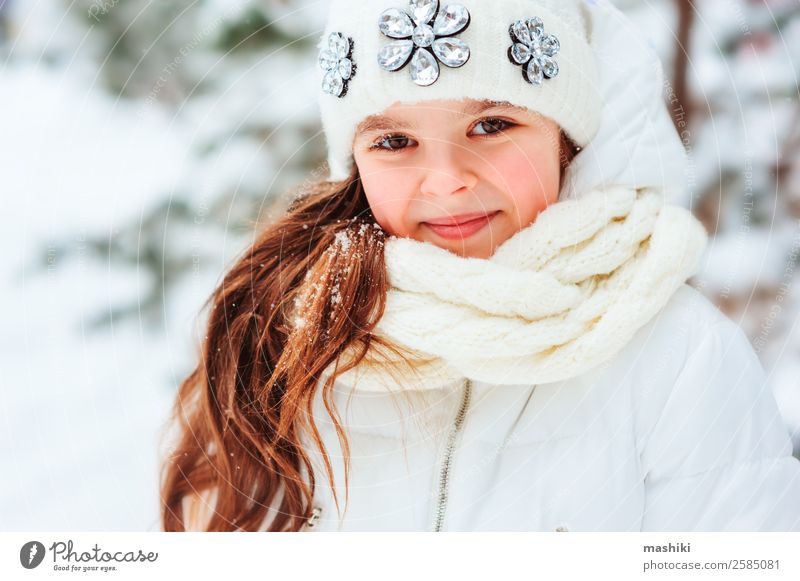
column 558, row 298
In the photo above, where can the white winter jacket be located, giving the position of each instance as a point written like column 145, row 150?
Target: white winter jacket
column 679, row 432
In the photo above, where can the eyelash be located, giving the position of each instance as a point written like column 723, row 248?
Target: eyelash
column 494, row 121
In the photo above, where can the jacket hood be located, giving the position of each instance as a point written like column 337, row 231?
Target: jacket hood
column 637, row 144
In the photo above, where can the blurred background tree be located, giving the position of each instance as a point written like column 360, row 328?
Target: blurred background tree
column 225, row 70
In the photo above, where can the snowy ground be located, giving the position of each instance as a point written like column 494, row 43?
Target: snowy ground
column 81, row 410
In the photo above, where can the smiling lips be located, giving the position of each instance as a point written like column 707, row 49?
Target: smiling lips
column 461, row 226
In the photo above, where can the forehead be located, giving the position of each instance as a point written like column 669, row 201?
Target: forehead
column 404, row 116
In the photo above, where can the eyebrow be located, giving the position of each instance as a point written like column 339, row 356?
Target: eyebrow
column 383, row 123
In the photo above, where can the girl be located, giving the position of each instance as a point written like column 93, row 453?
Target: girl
column 465, row 328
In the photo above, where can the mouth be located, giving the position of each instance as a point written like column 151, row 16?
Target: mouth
column 461, row 226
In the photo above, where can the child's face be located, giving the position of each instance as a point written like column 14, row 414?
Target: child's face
column 438, row 160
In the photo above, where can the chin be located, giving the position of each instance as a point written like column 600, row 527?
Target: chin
column 480, row 250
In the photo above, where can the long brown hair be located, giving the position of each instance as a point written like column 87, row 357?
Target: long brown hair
column 240, row 412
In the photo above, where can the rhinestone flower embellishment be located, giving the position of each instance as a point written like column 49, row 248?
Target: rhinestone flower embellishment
column 337, row 62
column 533, row 49
column 424, row 36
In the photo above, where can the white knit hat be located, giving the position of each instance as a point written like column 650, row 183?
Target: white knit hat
column 377, row 53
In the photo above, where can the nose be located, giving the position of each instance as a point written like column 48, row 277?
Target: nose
column 446, row 170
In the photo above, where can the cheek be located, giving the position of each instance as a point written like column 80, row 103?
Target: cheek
column 531, row 182
column 389, row 194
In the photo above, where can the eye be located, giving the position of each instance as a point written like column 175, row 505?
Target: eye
column 391, row 143
column 492, row 125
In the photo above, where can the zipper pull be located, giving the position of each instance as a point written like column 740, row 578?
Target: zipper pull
column 314, row 518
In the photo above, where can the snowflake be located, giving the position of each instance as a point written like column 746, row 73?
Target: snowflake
column 422, row 36
column 337, row 62
column 530, row 45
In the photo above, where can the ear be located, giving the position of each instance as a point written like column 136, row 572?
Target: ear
column 563, row 155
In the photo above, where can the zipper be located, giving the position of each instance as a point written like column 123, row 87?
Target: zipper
column 444, row 474
column 314, row 518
